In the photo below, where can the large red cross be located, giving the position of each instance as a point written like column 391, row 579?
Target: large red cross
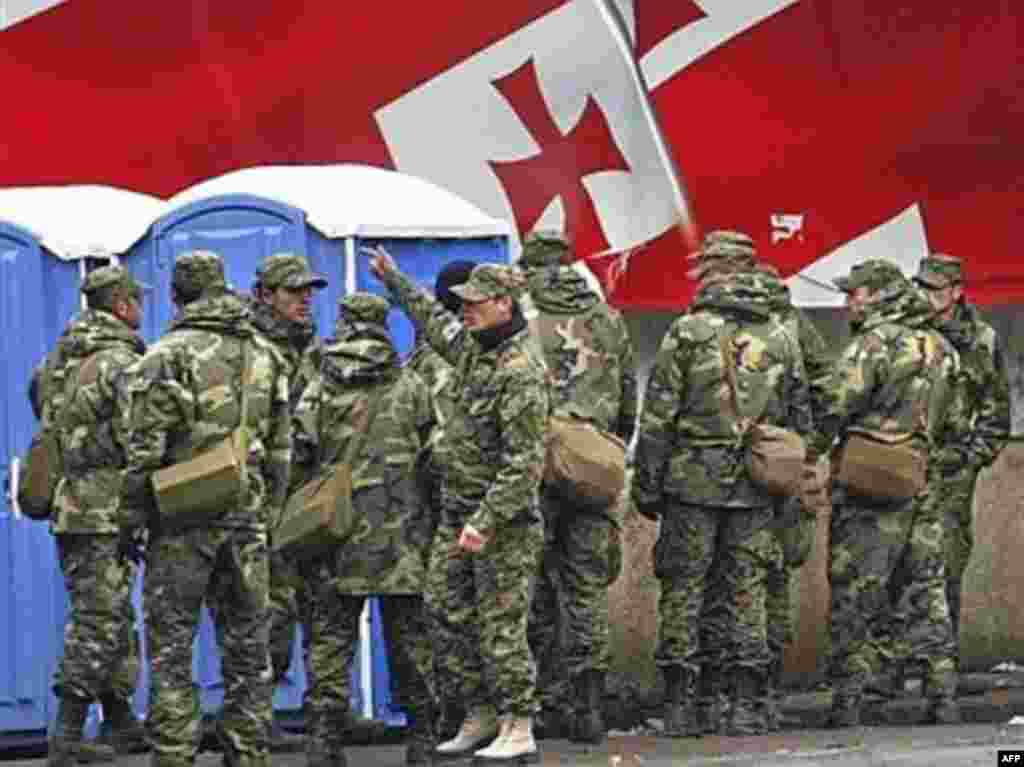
column 562, row 163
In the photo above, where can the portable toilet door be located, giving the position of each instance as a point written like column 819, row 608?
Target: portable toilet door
column 38, row 295
column 242, row 229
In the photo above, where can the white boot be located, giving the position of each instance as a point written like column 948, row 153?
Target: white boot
column 480, row 726
column 514, row 741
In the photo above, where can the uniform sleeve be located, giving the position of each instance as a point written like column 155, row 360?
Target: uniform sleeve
column 628, row 407
column 662, row 400
column 817, row 362
column 278, row 451
column 159, row 403
column 992, row 420
column 847, row 390
column 800, row 415
column 522, row 417
column 443, row 331
column 305, row 436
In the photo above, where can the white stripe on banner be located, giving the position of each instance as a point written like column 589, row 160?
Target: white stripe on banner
column 13, row 11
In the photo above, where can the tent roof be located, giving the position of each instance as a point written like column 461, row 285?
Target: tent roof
column 347, row 200
column 80, row 220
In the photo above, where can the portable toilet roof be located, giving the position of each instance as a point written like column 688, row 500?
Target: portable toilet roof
column 79, row 221
column 356, row 200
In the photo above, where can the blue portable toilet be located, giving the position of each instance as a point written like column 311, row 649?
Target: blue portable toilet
column 49, row 237
column 329, row 213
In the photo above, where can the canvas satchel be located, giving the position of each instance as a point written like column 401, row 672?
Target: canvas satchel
column 774, row 455
column 886, row 468
column 192, row 493
column 583, row 464
column 320, row 514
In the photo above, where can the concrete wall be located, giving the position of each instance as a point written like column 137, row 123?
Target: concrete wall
column 993, row 616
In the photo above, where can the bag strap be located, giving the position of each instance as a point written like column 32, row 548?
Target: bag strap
column 729, row 365
column 243, row 427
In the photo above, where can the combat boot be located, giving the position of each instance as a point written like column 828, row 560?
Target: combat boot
column 845, row 711
column 451, row 717
column 478, row 729
column 680, row 717
column 120, row 729
column 551, row 723
column 66, row 747
column 318, row 754
column 940, row 691
column 284, row 742
column 746, row 716
column 771, row 697
column 710, row 709
column 514, row 743
column 589, row 721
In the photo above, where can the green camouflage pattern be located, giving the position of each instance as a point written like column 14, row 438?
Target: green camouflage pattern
column 100, row 650
column 92, row 422
column 112, row 276
column 712, row 564
column 543, row 249
column 387, row 550
column 488, row 281
column 491, row 461
column 288, row 270
column 492, row 457
column 690, row 447
column 335, row 637
column 197, row 272
column 186, row 398
column 587, row 349
column 228, row 569
column 479, row 608
column 895, row 376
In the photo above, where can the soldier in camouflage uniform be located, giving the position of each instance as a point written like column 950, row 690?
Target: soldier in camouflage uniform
column 186, row 398
column 386, row 554
column 100, row 660
column 438, row 375
column 987, row 393
column 716, row 531
column 896, row 376
column 280, row 307
column 589, row 356
column 487, row 547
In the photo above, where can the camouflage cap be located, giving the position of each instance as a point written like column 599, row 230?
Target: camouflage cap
column 363, row 307
column 288, row 270
column 875, row 274
column 939, row 270
column 543, row 248
column 109, row 276
column 724, row 243
column 489, row 281
column 198, row 270
column 715, row 266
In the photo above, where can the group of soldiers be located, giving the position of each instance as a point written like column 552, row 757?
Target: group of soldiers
column 921, row 369
column 493, row 586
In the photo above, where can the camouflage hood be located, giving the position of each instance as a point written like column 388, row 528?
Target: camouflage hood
column 95, row 330
column 360, row 358
column 746, row 295
column 224, row 314
column 560, row 290
column 908, row 307
column 281, row 331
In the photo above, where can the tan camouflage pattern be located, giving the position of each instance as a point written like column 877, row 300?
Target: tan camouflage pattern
column 288, row 270
column 489, row 281
column 197, row 272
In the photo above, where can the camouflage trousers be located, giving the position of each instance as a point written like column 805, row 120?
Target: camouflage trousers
column 568, row 629
column 713, row 564
column 887, row 575
column 290, row 604
column 479, row 606
column 333, row 642
column 100, row 649
column 230, row 570
column 956, row 500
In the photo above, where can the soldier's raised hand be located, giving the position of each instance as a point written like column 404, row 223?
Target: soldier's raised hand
column 381, row 262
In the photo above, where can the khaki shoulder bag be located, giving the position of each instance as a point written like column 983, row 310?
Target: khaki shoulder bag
column 320, row 515
column 583, row 464
column 774, row 455
column 192, row 493
column 881, row 467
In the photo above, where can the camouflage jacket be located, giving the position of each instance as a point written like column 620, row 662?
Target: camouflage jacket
column 437, row 374
column 186, row 397
column 691, row 444
column 297, row 343
column 896, row 376
column 394, row 525
column 92, row 422
column 985, row 388
column 492, row 455
column 587, row 349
